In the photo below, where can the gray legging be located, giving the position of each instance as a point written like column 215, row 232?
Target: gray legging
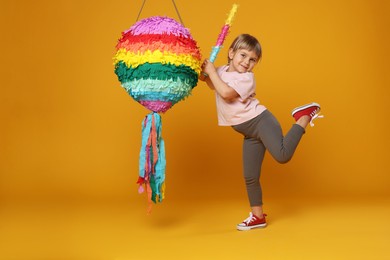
column 260, row 134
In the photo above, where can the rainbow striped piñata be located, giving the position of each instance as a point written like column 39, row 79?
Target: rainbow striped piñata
column 158, row 63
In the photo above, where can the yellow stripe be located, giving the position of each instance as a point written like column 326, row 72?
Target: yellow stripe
column 133, row 60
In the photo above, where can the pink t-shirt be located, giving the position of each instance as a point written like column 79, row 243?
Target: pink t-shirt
column 242, row 108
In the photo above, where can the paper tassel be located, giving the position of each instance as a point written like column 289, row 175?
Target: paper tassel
column 152, row 161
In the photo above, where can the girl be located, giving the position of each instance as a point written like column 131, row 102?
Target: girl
column 234, row 86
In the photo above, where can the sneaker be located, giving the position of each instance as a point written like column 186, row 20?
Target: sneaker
column 311, row 110
column 252, row 221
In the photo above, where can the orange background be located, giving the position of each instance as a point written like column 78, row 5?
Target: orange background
column 69, row 132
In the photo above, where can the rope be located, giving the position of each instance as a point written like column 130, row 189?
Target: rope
column 177, row 11
column 174, row 4
column 139, row 13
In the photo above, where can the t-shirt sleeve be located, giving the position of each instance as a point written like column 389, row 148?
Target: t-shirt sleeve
column 244, row 85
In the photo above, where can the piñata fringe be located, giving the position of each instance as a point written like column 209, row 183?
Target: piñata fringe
column 152, row 159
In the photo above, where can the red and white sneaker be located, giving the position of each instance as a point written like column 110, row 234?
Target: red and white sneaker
column 311, row 110
column 252, row 221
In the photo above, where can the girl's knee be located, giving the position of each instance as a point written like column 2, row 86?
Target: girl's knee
column 282, row 159
column 281, row 155
column 252, row 181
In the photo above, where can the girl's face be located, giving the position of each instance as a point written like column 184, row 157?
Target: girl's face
column 242, row 60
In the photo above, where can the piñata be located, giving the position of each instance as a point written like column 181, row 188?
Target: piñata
column 158, row 63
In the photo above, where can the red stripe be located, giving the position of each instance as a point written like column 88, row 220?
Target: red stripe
column 128, row 39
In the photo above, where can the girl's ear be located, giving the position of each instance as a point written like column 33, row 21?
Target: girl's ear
column 231, row 54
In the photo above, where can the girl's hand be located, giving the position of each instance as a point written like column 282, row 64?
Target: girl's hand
column 207, row 68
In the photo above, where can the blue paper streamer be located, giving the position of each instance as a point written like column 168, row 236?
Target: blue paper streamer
column 156, row 176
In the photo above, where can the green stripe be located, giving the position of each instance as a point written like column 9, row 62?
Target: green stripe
column 156, row 71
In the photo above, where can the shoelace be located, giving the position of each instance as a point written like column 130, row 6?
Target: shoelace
column 314, row 116
column 249, row 219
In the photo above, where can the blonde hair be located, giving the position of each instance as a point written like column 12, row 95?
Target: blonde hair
column 246, row 42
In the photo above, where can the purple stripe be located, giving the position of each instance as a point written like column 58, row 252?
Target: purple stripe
column 156, row 106
column 159, row 25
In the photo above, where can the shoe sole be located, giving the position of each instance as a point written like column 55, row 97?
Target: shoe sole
column 251, row 227
column 297, row 109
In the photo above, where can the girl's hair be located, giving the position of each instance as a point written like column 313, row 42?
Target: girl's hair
column 247, row 42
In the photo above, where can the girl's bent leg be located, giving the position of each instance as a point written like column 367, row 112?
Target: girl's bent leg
column 281, row 147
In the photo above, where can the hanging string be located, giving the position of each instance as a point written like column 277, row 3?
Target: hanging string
column 139, row 13
column 174, row 4
column 177, row 11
